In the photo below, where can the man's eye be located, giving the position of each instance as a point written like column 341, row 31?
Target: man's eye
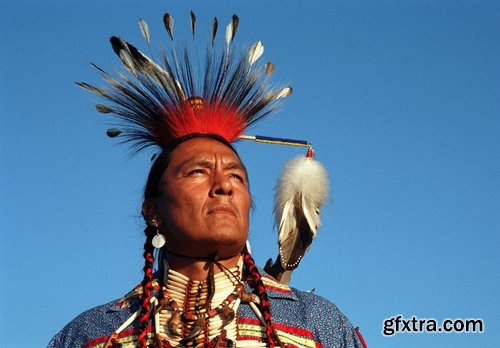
column 237, row 177
column 197, row 171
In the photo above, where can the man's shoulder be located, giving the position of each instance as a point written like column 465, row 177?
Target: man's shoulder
column 279, row 290
column 284, row 298
column 309, row 315
column 94, row 324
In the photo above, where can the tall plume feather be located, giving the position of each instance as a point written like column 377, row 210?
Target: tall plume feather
column 215, row 25
column 145, row 31
column 236, row 21
column 269, row 68
column 103, row 109
column 284, row 92
column 229, row 33
column 192, row 19
column 168, row 21
column 231, row 29
column 255, row 52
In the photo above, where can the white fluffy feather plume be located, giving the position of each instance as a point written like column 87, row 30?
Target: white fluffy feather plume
column 301, row 191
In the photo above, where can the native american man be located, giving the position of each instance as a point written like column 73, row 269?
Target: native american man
column 205, row 290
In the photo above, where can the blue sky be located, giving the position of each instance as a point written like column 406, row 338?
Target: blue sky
column 399, row 98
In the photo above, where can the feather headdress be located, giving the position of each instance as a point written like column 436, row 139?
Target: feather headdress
column 161, row 101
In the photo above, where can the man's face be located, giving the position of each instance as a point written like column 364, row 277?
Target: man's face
column 204, row 200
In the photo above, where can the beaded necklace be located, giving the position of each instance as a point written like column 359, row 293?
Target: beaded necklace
column 187, row 314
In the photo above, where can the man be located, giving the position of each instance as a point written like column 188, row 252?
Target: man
column 207, row 291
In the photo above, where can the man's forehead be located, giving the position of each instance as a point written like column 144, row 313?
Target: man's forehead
column 210, row 160
column 205, row 151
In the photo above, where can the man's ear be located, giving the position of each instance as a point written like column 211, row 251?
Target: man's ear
column 149, row 213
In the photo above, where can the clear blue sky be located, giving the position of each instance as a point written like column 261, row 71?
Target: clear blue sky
column 400, row 99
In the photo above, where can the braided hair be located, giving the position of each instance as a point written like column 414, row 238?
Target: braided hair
column 265, row 306
column 147, row 288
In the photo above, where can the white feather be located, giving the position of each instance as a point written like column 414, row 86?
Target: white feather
column 285, row 92
column 286, row 222
column 229, row 33
column 301, row 191
column 144, row 30
column 255, row 52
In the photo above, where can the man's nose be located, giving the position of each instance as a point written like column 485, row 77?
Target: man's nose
column 221, row 186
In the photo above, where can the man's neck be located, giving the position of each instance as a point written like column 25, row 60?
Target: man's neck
column 198, row 269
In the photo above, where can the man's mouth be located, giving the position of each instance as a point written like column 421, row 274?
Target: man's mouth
column 222, row 209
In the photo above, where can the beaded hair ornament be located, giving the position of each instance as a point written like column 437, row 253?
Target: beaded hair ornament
column 158, row 101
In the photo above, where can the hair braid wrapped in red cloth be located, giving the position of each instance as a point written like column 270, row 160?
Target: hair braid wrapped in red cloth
column 264, row 299
column 147, row 287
